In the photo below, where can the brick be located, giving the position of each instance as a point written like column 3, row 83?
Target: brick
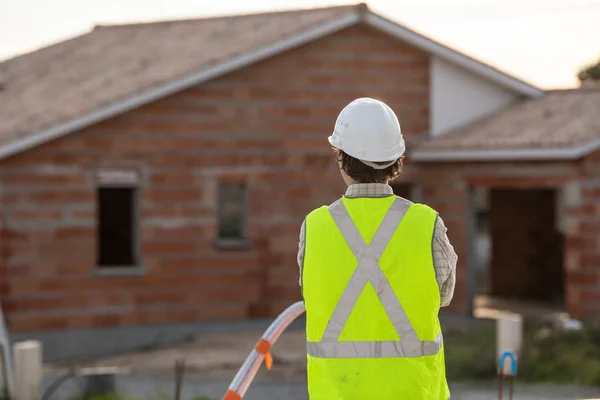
column 27, row 322
column 172, row 178
column 450, row 208
column 79, row 268
column 161, row 297
column 582, row 210
column 154, row 315
column 75, row 233
column 184, row 315
column 85, row 215
column 591, row 295
column 173, row 195
column 102, row 321
column 591, row 193
column 593, row 158
column 80, row 322
column 176, row 212
column 591, row 260
column 32, row 178
column 223, row 311
column 61, row 196
column 38, row 303
column 39, row 284
column 267, row 124
column 579, row 277
column 588, row 227
column 154, row 248
column 36, row 215
column 175, row 232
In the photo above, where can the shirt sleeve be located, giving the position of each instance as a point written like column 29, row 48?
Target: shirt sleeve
column 301, row 250
column 444, row 262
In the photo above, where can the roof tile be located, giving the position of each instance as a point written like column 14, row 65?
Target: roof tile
column 562, row 119
column 73, row 78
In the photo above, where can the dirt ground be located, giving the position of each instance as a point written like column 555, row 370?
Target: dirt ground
column 211, row 363
column 213, row 357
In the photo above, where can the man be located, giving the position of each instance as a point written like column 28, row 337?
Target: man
column 374, row 270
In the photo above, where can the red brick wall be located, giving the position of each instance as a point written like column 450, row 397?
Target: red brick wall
column 582, row 258
column 445, row 186
column 266, row 124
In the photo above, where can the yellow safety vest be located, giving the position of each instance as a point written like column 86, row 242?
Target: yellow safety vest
column 372, row 302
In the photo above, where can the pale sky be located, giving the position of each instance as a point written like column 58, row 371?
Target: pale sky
column 543, row 42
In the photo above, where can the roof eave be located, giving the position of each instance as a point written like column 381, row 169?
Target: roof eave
column 573, row 153
column 353, row 17
column 170, row 88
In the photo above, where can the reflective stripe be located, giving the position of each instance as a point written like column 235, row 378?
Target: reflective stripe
column 373, row 349
column 368, row 270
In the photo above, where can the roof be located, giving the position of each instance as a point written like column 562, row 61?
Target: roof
column 113, row 69
column 564, row 124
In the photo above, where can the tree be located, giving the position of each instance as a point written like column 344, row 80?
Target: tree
column 590, row 73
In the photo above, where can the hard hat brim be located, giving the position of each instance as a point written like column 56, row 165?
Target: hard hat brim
column 392, row 155
column 335, row 141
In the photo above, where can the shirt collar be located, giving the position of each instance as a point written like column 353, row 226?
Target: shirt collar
column 369, row 190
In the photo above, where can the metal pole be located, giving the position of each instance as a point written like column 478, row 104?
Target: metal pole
column 179, row 372
column 511, row 375
column 500, row 386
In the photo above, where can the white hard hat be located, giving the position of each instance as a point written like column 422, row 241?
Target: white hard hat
column 368, row 129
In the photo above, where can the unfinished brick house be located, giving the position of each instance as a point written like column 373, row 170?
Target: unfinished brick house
column 154, row 176
column 537, row 165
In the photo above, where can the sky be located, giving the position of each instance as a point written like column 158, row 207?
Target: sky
column 544, row 42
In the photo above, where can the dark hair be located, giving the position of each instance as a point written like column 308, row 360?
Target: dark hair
column 362, row 173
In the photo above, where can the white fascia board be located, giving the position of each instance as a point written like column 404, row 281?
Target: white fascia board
column 574, row 153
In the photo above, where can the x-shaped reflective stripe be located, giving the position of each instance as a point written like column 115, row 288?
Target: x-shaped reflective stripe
column 368, row 270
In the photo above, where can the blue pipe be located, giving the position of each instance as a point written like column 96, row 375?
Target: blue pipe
column 513, row 362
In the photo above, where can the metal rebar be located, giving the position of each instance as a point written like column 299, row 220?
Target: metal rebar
column 179, row 373
column 500, row 386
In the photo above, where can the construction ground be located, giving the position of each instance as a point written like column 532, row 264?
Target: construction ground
column 212, row 361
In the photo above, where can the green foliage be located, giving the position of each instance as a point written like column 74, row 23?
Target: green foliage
column 562, row 356
column 590, row 72
column 470, row 353
column 549, row 354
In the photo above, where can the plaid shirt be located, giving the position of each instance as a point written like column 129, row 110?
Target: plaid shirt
column 444, row 256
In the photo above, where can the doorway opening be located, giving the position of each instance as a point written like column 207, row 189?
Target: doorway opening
column 518, row 250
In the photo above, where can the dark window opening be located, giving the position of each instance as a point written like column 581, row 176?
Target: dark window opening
column 117, row 233
column 232, row 197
